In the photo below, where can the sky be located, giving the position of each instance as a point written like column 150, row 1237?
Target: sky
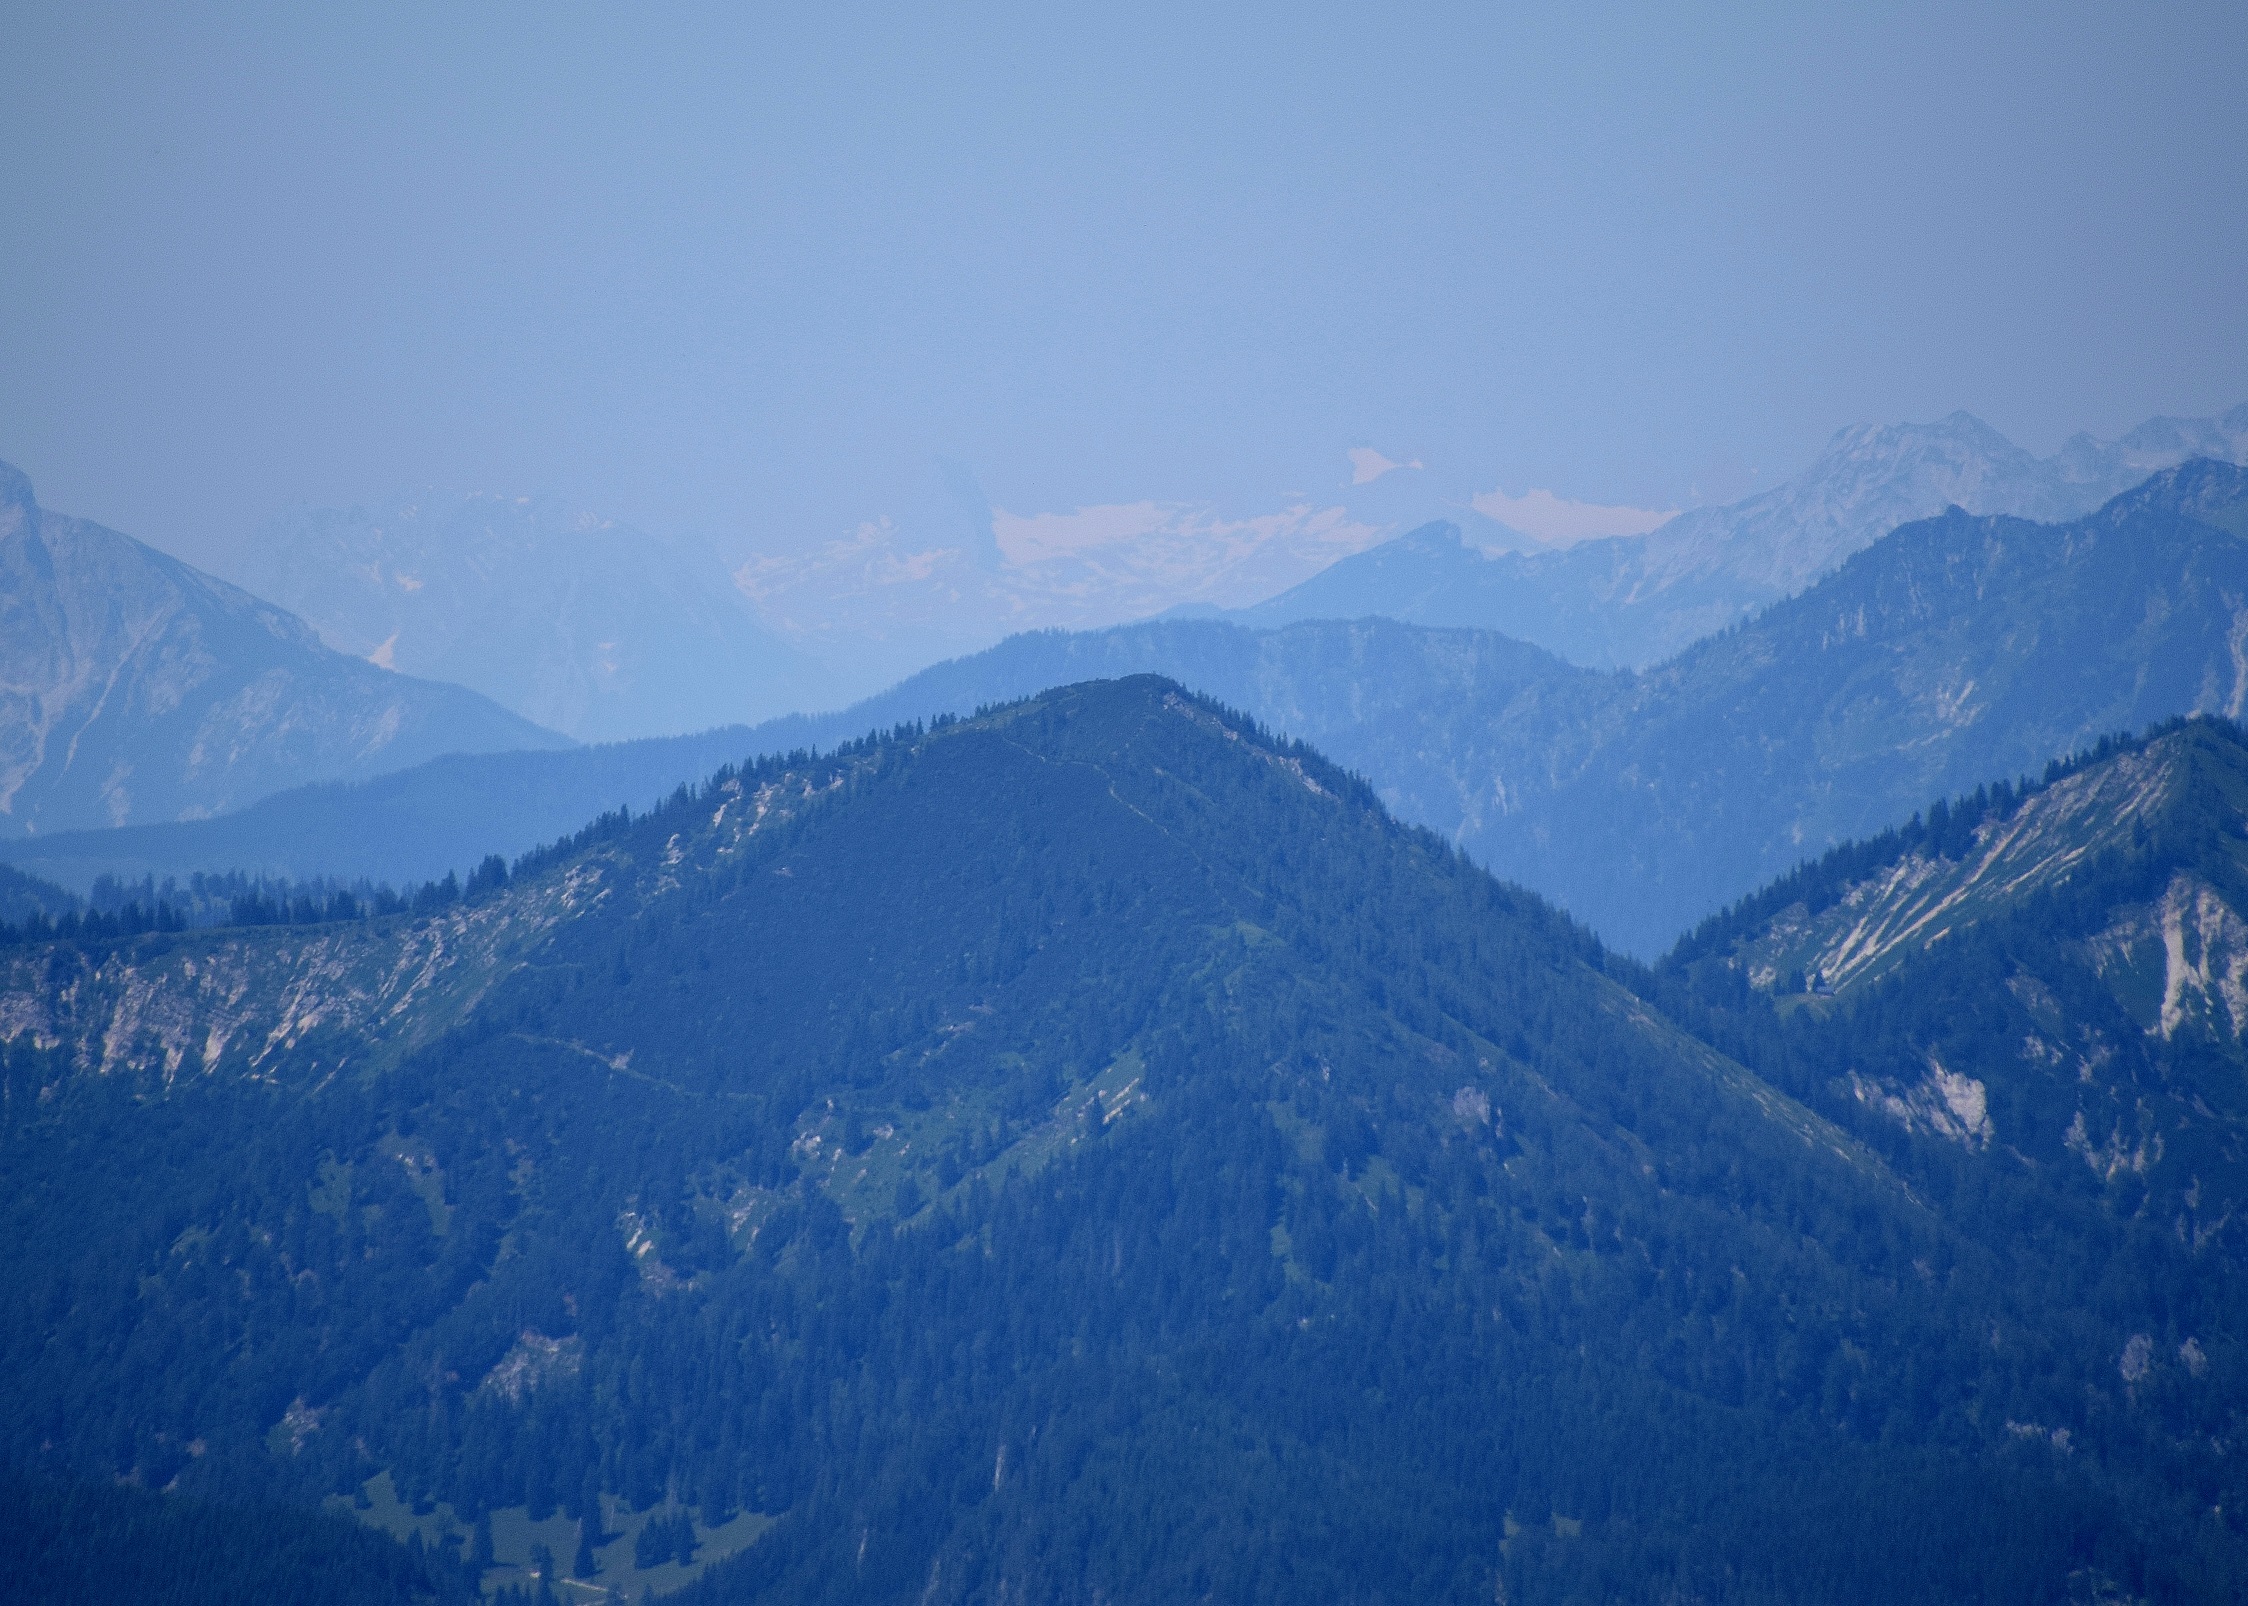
column 761, row 275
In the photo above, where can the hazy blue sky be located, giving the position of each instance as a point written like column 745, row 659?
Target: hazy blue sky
column 750, row 272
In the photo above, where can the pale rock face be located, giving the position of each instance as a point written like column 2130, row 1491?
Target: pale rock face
column 1910, row 906
column 2137, row 1359
column 2205, row 960
column 534, row 1359
column 134, row 688
column 1947, row 1104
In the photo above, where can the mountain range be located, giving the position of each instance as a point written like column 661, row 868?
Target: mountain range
column 1954, row 650
column 135, row 688
column 1632, row 601
column 601, row 632
column 1091, row 1151
column 604, row 632
column 583, row 625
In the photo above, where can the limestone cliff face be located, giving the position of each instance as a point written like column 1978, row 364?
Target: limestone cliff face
column 134, row 688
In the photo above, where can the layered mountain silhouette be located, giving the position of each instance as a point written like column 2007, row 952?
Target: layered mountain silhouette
column 1954, row 650
column 1086, row 1150
column 608, row 633
column 135, row 688
column 1635, row 600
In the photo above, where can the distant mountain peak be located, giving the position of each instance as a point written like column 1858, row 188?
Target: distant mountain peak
column 15, row 488
column 1437, row 534
column 579, row 622
column 2198, row 488
column 1958, row 428
column 1634, row 600
column 142, row 689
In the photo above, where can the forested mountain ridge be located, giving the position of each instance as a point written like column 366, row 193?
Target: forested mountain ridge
column 2055, row 979
column 1862, row 913
column 419, row 824
column 133, row 687
column 1949, row 652
column 1086, row 1150
column 22, row 896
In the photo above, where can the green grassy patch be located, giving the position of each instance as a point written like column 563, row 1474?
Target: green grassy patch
column 515, row 1537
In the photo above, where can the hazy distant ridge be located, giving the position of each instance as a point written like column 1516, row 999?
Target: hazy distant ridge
column 579, row 623
column 136, row 688
column 1955, row 651
column 1636, row 600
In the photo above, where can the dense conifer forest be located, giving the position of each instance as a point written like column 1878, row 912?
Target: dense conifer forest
column 1090, row 1152
column 107, row 1542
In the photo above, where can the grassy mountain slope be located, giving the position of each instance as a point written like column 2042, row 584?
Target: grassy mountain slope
column 1087, row 1151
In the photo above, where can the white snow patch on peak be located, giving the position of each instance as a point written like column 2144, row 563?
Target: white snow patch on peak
column 1558, row 521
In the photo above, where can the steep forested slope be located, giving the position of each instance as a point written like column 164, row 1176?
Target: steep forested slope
column 1084, row 1152
column 2057, row 980
column 2032, row 1004
column 112, row 1545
